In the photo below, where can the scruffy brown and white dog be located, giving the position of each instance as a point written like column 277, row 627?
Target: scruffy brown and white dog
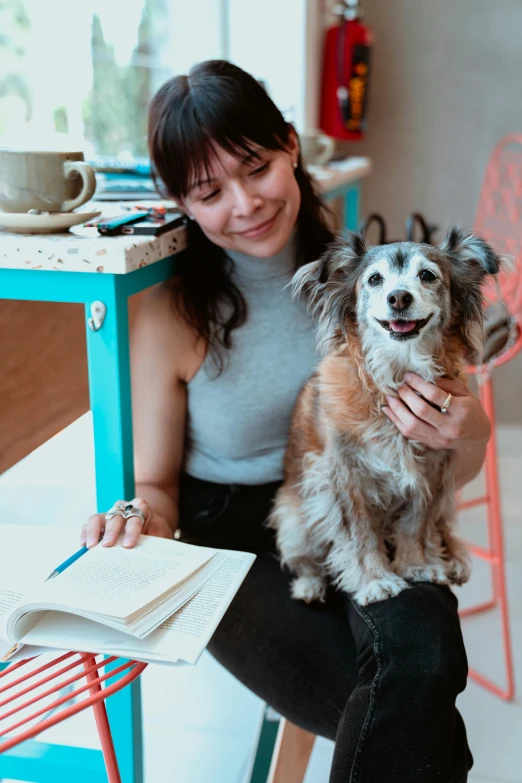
column 361, row 505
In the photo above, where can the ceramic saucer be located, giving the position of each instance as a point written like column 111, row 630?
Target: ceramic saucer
column 50, row 223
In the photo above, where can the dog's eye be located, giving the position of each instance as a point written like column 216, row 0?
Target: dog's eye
column 374, row 279
column 426, row 276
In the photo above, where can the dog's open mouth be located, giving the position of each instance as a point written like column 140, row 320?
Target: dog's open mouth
column 402, row 329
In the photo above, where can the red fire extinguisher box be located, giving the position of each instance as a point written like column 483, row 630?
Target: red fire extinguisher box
column 345, row 78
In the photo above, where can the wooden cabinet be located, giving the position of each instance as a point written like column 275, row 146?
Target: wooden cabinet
column 43, row 373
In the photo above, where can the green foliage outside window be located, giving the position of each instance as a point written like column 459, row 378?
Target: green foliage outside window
column 115, row 111
column 115, row 108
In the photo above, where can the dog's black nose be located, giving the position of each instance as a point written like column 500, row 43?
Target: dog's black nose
column 400, row 299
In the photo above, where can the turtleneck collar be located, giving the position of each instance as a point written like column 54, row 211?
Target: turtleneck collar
column 253, row 269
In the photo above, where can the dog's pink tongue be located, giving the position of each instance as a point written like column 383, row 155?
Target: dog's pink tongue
column 402, row 326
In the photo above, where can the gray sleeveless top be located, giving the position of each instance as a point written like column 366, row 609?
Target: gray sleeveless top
column 238, row 423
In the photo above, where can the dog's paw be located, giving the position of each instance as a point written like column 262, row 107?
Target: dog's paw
column 309, row 588
column 458, row 571
column 425, row 572
column 380, row 590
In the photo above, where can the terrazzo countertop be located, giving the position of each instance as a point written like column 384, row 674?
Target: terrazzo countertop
column 84, row 250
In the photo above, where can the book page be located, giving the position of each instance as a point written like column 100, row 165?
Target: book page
column 193, row 618
column 9, row 599
column 28, row 554
column 20, row 652
column 118, row 582
column 184, row 636
column 189, row 629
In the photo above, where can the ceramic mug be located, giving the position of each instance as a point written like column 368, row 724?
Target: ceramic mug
column 316, row 147
column 50, row 181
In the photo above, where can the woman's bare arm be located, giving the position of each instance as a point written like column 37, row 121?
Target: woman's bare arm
column 163, row 353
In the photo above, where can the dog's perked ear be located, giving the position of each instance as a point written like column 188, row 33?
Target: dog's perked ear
column 471, row 255
column 470, row 258
column 328, row 286
column 316, row 280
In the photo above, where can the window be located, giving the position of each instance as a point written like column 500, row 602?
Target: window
column 87, row 70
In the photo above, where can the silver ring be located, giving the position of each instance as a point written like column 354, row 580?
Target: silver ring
column 124, row 511
column 132, row 511
column 446, row 404
column 118, row 510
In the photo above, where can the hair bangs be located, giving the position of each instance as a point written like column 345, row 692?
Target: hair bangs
column 201, row 152
column 192, row 116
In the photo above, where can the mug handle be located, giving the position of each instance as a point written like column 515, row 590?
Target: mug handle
column 328, row 145
column 71, row 168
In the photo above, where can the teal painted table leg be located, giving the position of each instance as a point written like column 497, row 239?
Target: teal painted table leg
column 265, row 746
column 351, row 208
column 350, row 196
column 110, row 396
column 39, row 762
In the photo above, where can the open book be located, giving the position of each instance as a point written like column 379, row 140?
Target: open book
column 159, row 601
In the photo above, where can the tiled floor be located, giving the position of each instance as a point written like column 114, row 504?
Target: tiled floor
column 200, row 723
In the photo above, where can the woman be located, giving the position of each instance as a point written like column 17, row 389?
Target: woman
column 219, row 354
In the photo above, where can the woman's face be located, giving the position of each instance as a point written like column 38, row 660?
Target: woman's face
column 248, row 205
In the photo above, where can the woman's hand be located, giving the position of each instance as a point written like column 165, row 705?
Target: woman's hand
column 154, row 525
column 464, row 424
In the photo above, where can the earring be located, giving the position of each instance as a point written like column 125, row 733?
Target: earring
column 294, row 164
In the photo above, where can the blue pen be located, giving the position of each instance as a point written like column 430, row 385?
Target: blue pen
column 68, row 562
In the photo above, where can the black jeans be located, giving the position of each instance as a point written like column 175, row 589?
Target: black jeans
column 380, row 680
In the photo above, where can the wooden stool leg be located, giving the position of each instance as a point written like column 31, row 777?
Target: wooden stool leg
column 292, row 753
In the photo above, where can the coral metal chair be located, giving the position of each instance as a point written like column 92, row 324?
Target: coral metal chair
column 82, row 676
column 499, row 221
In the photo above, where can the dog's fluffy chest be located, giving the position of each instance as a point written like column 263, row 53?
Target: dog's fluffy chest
column 369, row 445
column 389, row 467
column 386, row 452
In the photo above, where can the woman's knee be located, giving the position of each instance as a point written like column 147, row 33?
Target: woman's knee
column 417, row 637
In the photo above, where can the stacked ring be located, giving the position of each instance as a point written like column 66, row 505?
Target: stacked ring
column 125, row 511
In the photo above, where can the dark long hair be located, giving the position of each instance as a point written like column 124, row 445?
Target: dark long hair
column 219, row 104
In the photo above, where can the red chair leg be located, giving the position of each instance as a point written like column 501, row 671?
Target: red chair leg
column 494, row 516
column 495, row 554
column 102, row 724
